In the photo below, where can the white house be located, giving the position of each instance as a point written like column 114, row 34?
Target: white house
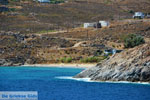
column 139, row 15
column 104, row 23
column 44, row 1
column 86, row 25
column 99, row 24
column 111, row 51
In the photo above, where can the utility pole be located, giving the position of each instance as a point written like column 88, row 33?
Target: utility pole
column 47, row 31
column 67, row 27
column 87, row 34
column 58, row 26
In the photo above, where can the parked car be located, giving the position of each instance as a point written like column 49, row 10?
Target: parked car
column 139, row 15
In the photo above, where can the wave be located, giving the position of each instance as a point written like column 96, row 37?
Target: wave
column 127, row 82
column 89, row 80
column 77, row 79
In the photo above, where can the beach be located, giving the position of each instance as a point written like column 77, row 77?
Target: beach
column 62, row 65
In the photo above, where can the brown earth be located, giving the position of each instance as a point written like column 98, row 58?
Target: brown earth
column 50, row 48
column 41, row 44
column 32, row 17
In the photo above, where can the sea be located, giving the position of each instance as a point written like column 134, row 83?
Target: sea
column 56, row 83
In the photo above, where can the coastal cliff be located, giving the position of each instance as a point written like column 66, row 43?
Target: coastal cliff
column 130, row 65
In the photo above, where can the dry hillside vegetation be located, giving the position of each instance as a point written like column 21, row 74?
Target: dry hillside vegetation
column 32, row 17
column 77, row 44
column 52, row 33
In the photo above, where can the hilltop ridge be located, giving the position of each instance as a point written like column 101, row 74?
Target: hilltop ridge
column 32, row 17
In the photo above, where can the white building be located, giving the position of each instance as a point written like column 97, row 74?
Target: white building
column 111, row 51
column 139, row 15
column 99, row 24
column 44, row 1
column 87, row 25
column 104, row 23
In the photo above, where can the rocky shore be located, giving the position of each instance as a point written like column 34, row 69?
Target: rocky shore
column 12, row 61
column 131, row 65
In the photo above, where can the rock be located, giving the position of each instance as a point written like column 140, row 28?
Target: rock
column 16, row 61
column 4, row 62
column 130, row 65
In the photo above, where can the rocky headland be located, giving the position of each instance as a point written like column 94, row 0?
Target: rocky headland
column 130, row 65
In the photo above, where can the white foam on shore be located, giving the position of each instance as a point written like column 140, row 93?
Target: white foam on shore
column 127, row 82
column 89, row 80
column 77, row 79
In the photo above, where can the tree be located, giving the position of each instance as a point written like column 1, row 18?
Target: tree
column 133, row 40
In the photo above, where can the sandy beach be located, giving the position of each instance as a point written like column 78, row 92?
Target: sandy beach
column 62, row 65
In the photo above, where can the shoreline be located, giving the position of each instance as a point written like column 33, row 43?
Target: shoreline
column 114, row 82
column 61, row 65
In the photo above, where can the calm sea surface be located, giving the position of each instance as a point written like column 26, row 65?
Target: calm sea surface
column 50, row 87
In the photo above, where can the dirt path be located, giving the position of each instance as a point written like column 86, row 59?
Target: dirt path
column 75, row 46
column 56, row 32
column 78, row 44
column 147, row 40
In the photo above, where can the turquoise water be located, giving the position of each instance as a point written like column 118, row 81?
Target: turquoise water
column 45, row 80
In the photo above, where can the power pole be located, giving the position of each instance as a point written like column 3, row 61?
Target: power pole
column 67, row 27
column 87, row 34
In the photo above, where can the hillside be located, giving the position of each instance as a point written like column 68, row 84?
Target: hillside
column 130, row 65
column 37, row 33
column 33, row 17
column 53, row 47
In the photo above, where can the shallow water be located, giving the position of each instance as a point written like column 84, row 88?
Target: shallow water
column 57, row 84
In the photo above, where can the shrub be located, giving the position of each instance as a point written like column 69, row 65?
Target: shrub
column 12, row 9
column 90, row 60
column 57, row 1
column 131, row 12
column 113, row 46
column 66, row 60
column 133, row 40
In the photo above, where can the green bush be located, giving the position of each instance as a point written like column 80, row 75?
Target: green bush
column 56, row 1
column 90, row 60
column 66, row 60
column 133, row 40
column 131, row 12
column 12, row 9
